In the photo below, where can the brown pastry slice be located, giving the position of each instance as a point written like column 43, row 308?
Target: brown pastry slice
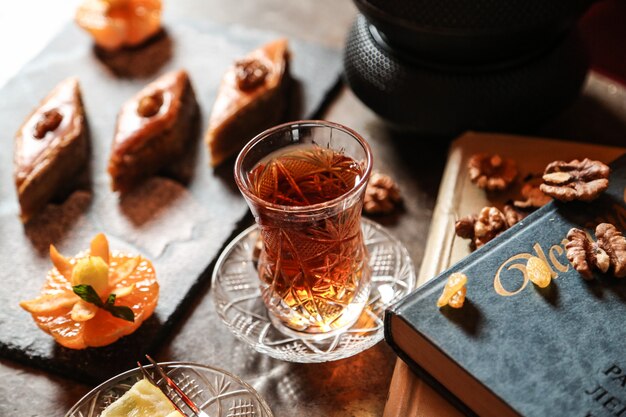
column 252, row 97
column 51, row 147
column 154, row 128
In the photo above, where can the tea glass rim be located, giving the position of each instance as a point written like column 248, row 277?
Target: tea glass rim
column 243, row 186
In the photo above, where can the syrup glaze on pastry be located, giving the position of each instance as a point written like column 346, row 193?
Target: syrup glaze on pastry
column 153, row 129
column 252, row 97
column 50, row 147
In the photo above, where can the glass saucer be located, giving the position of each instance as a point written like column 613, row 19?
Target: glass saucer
column 235, row 288
column 216, row 392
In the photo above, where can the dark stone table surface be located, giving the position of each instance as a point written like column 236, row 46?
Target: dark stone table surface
column 351, row 387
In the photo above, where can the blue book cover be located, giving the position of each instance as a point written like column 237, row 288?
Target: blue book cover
column 514, row 348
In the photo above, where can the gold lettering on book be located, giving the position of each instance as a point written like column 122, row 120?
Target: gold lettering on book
column 559, row 251
column 497, row 282
column 507, row 274
column 518, row 263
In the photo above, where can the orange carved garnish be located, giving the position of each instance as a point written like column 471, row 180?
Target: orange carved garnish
column 77, row 324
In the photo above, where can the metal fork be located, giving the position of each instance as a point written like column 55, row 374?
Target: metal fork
column 179, row 392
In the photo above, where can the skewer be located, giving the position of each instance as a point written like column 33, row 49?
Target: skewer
column 181, row 394
column 172, row 384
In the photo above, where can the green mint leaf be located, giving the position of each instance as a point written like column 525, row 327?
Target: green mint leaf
column 88, row 294
column 110, row 301
column 121, row 312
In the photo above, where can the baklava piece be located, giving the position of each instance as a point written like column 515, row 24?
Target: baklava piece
column 154, row 129
column 51, row 148
column 252, row 97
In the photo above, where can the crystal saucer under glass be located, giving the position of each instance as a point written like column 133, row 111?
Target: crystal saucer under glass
column 235, row 289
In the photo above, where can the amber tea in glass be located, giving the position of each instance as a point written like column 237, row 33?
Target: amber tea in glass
column 304, row 182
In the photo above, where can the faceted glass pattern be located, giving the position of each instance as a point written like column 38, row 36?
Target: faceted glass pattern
column 239, row 302
column 214, row 391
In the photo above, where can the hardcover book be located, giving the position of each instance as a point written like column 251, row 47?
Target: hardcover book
column 515, row 349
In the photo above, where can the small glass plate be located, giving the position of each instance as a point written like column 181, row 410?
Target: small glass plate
column 216, row 392
column 235, row 288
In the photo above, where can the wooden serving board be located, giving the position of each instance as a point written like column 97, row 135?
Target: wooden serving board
column 181, row 228
column 409, row 396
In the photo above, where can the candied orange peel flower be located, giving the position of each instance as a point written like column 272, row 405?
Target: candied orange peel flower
column 77, row 324
column 454, row 291
column 117, row 23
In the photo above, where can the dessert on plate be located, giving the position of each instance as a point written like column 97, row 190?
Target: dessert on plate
column 154, row 128
column 129, row 39
column 95, row 297
column 51, row 147
column 252, row 97
column 115, row 24
column 143, row 399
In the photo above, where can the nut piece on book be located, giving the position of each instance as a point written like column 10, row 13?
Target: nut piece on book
column 382, row 195
column 154, row 128
column 491, row 172
column 252, row 97
column 142, row 400
column 481, row 228
column 454, row 291
column 613, row 243
column 118, row 23
column 576, row 180
column 51, row 148
column 96, row 297
column 584, row 254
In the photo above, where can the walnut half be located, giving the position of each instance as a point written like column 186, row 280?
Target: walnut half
column 150, row 105
column 580, row 252
column 382, row 195
column 491, row 172
column 48, row 122
column 576, row 180
column 250, row 73
column 533, row 197
column 613, row 243
column 608, row 251
column 488, row 224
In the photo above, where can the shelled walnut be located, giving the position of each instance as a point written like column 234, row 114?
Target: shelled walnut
column 382, row 195
column 491, row 172
column 513, row 215
column 48, row 122
column 576, row 180
column 464, row 227
column 584, row 254
column 533, row 197
column 150, row 105
column 250, row 73
column 611, row 241
column 481, row 228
